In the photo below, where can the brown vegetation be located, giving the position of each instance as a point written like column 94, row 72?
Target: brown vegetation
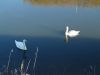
column 83, row 3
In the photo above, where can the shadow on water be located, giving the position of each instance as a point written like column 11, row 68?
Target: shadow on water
column 56, row 57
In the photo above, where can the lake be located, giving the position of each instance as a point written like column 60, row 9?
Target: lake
column 42, row 23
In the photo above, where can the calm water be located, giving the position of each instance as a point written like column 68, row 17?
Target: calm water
column 43, row 25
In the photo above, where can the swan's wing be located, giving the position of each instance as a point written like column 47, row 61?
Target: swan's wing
column 73, row 33
column 20, row 45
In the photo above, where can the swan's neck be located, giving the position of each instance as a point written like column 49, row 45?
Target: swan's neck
column 67, row 28
column 24, row 44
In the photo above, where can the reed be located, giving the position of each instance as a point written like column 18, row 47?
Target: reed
column 22, row 70
column 28, row 65
column 36, row 53
column 9, row 59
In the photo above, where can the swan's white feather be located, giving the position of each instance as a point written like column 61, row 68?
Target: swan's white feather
column 20, row 45
column 71, row 33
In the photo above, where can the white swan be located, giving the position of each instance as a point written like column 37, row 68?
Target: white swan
column 21, row 45
column 71, row 33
